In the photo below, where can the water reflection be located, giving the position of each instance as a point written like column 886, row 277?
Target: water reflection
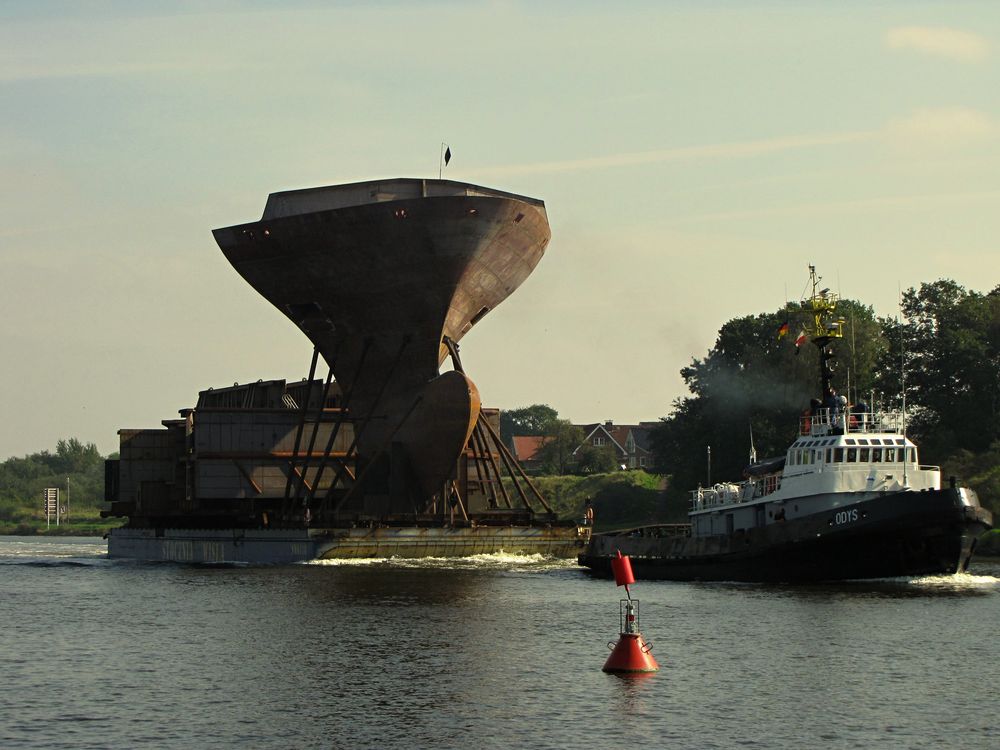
column 628, row 693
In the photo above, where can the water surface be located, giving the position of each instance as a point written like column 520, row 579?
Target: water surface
column 483, row 652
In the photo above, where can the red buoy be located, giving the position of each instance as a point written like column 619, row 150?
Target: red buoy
column 631, row 655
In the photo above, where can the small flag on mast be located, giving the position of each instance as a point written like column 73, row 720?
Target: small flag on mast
column 445, row 158
column 783, row 330
column 800, row 340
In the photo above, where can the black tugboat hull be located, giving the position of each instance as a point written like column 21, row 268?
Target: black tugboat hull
column 903, row 534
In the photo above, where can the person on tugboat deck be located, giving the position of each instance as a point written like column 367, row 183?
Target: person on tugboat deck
column 832, row 402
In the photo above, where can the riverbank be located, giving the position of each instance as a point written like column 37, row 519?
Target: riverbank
column 69, row 528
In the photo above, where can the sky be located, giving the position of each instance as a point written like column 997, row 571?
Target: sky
column 694, row 158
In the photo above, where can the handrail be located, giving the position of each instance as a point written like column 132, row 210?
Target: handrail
column 825, row 420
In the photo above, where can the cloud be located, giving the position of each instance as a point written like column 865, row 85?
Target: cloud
column 941, row 128
column 736, row 150
column 848, row 207
column 946, row 127
column 962, row 46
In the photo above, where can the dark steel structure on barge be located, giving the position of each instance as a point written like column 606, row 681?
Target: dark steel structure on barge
column 386, row 455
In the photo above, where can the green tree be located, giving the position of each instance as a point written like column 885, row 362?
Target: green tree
column 22, row 481
column 948, row 346
column 74, row 456
column 596, row 459
column 751, row 380
column 556, row 456
column 527, row 420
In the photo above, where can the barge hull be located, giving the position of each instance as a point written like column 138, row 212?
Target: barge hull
column 285, row 546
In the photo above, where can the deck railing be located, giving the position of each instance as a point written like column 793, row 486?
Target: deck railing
column 828, row 421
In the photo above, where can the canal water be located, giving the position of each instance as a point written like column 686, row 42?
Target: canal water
column 486, row 652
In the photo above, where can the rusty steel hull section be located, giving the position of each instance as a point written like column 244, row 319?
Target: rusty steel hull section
column 377, row 274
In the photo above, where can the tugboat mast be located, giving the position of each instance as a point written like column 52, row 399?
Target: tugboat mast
column 823, row 329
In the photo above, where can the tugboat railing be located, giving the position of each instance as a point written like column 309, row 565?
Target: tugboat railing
column 832, row 422
column 732, row 493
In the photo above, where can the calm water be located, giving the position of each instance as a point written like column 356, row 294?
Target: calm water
column 484, row 653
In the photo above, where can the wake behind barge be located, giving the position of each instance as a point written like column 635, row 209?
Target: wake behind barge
column 387, row 455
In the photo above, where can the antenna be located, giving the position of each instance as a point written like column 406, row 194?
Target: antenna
column 902, row 378
column 753, row 450
column 854, row 364
column 902, row 359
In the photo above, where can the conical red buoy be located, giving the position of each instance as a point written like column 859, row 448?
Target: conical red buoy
column 631, row 655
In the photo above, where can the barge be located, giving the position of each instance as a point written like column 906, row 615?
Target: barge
column 390, row 453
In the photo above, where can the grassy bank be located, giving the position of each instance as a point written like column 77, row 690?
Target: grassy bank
column 85, row 521
column 621, row 499
column 64, row 529
column 76, row 469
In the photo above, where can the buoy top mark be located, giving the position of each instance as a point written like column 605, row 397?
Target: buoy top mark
column 622, row 569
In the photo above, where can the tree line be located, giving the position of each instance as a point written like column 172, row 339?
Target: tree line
column 941, row 358
column 23, row 479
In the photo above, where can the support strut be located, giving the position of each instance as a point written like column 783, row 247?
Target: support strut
column 359, row 430
column 344, row 410
column 514, row 469
column 302, row 420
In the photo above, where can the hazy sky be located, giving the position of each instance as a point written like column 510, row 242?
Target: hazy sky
column 694, row 158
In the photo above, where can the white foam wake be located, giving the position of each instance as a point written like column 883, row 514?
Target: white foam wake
column 956, row 580
column 497, row 561
column 50, row 548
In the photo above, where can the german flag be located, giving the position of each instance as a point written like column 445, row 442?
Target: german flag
column 783, row 330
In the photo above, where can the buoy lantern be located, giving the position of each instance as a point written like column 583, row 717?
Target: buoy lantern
column 631, row 655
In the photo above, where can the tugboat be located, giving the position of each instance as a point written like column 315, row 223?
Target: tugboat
column 849, row 500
